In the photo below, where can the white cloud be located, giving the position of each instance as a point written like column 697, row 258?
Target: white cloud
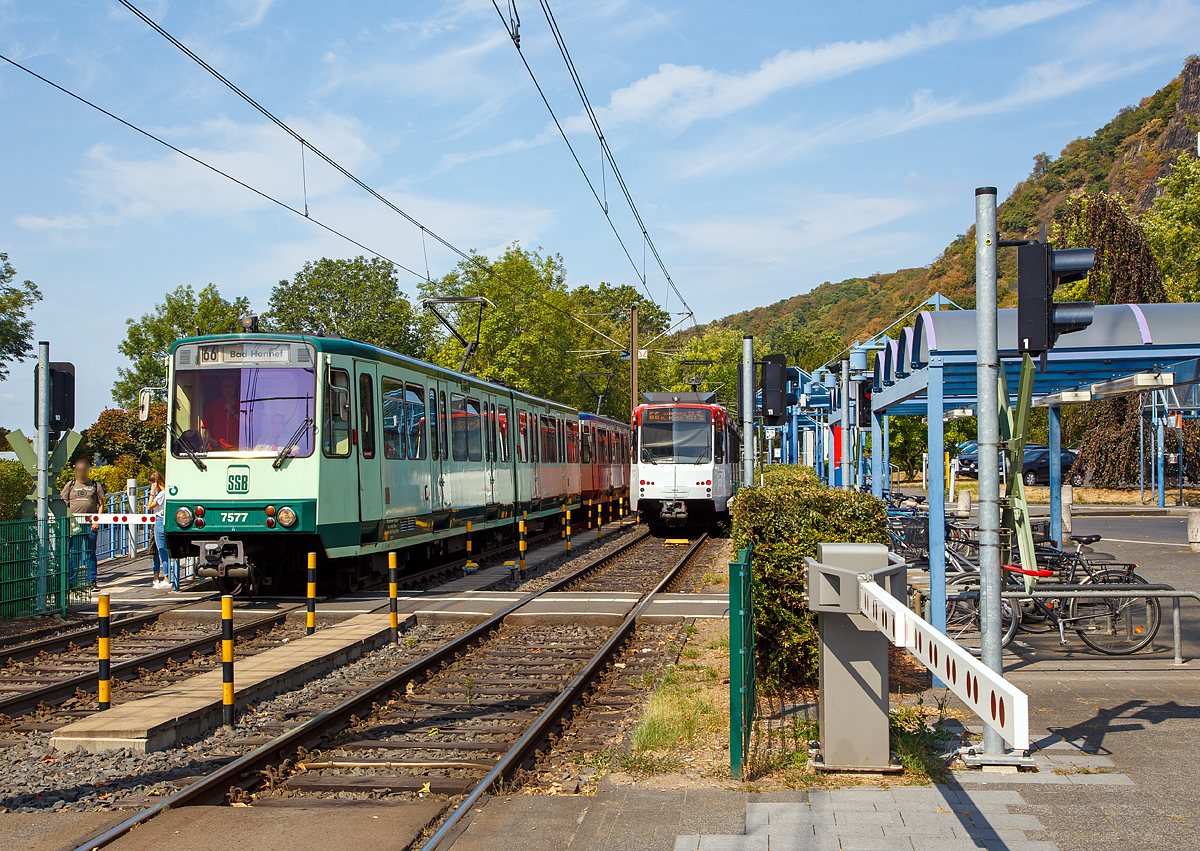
column 676, row 96
column 253, row 10
column 53, row 223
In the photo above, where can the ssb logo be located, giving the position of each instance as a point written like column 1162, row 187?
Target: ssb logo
column 238, row 480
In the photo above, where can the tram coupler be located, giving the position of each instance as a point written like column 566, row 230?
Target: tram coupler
column 223, row 558
column 674, row 512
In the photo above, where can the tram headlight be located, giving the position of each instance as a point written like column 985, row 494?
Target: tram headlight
column 183, row 518
column 286, row 517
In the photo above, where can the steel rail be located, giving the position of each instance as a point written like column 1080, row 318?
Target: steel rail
column 57, row 643
column 58, row 692
column 554, row 713
column 214, row 787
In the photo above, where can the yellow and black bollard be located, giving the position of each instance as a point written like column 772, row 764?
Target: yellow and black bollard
column 522, row 544
column 310, row 623
column 103, row 645
column 468, row 540
column 568, row 530
column 392, row 614
column 599, row 521
column 562, row 521
column 227, row 660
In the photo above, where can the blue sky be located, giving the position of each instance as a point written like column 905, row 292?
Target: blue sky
column 769, row 146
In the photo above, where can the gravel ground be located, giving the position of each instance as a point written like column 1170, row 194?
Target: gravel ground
column 35, row 777
column 564, row 565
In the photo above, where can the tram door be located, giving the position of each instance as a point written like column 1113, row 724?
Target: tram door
column 370, row 468
column 488, row 413
column 439, row 414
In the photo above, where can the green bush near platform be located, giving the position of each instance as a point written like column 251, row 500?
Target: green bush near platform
column 784, row 519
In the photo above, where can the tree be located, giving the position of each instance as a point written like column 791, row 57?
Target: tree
column 183, row 313
column 119, row 433
column 1173, row 226
column 359, row 299
column 16, row 328
column 526, row 336
column 1125, row 272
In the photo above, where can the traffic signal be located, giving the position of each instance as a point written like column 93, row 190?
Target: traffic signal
column 62, row 396
column 864, row 403
column 774, row 390
column 1040, row 269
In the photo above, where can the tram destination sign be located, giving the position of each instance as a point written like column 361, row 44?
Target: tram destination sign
column 245, row 353
column 677, row 415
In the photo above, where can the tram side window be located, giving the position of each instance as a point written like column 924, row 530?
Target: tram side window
column 572, row 443
column 458, row 426
column 719, row 446
column 415, row 412
column 366, row 416
column 474, row 431
column 445, row 429
column 534, row 439
column 502, row 429
column 522, row 438
column 337, row 413
column 585, row 446
column 393, row 417
column 491, row 415
column 562, row 440
column 433, row 424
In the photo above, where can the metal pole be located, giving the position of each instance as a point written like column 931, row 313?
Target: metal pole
column 1162, row 460
column 886, row 447
column 1141, row 449
column 393, row 614
column 104, row 692
column 845, row 424
column 746, row 403
column 227, row 660
column 1056, row 505
column 878, row 468
column 988, row 410
column 43, row 472
column 633, row 357
column 310, row 618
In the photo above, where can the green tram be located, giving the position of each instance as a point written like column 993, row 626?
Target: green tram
column 281, row 445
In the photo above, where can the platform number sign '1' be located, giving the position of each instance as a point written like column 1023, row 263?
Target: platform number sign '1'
column 239, row 479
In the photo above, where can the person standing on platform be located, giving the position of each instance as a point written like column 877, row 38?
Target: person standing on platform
column 162, row 558
column 84, row 496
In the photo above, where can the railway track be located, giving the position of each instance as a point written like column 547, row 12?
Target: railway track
column 473, row 712
column 52, row 672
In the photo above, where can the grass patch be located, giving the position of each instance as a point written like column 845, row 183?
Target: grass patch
column 646, row 764
column 918, row 743
column 721, row 642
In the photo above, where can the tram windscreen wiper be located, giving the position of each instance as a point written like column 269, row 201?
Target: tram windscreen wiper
column 182, row 441
column 291, row 444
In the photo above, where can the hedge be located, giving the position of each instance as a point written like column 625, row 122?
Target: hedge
column 784, row 519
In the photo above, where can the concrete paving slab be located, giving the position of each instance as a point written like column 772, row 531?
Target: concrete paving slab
column 309, row 827
column 193, row 706
column 53, row 831
column 525, row 822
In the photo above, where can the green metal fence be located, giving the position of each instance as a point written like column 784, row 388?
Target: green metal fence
column 35, row 567
column 742, row 696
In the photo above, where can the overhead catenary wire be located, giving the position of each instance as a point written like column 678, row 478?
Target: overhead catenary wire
column 469, row 257
column 607, row 151
column 212, row 168
column 514, row 33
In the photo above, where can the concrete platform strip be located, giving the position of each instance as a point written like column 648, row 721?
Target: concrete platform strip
column 1059, row 763
column 909, row 818
column 191, row 707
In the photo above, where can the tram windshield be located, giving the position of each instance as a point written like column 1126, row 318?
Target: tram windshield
column 243, row 409
column 676, row 436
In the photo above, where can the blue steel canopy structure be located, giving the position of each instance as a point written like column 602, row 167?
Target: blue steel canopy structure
column 931, row 367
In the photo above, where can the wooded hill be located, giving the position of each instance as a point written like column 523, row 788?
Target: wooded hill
column 1125, row 157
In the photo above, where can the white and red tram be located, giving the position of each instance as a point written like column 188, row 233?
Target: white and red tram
column 687, row 457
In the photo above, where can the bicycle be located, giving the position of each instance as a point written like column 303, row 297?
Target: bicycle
column 1114, row 626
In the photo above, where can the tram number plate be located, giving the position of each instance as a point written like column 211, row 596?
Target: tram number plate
column 234, row 516
column 238, row 480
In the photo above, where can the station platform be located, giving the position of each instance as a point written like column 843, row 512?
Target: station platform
column 191, row 707
column 564, row 607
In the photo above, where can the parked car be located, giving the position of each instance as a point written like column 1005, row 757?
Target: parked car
column 1035, row 467
column 968, row 462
